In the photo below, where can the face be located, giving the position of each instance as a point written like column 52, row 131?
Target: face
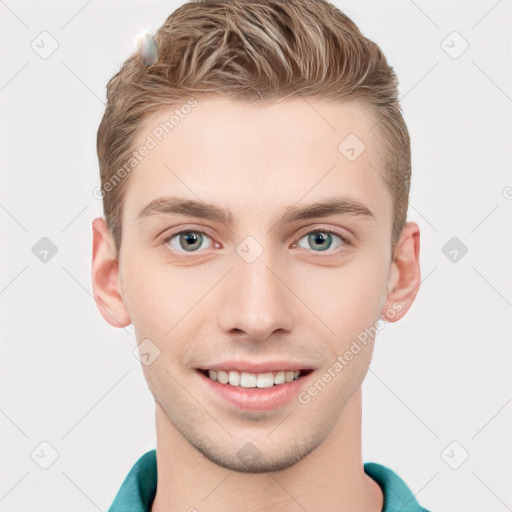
column 261, row 283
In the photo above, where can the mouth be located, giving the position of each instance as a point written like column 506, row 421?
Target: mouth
column 250, row 380
column 254, row 386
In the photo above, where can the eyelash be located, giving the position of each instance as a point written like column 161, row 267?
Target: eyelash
column 295, row 244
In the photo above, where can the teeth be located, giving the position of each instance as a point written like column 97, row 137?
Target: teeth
column 222, row 377
column 279, row 378
column 234, row 378
column 265, row 380
column 247, row 380
column 253, row 380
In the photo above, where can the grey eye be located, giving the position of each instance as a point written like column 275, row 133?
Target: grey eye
column 188, row 241
column 320, row 240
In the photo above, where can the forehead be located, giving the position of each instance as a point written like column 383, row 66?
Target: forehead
column 259, row 156
column 295, row 125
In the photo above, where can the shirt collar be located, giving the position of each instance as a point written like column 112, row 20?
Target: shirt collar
column 139, row 488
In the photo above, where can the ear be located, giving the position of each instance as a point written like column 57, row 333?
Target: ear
column 404, row 275
column 106, row 288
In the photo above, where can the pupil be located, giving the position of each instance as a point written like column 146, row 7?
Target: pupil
column 191, row 241
column 319, row 238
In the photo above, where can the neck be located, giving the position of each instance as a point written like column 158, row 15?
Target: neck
column 331, row 477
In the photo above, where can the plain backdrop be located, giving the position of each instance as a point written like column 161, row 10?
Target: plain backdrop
column 438, row 396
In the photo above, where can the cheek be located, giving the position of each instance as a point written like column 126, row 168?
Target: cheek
column 151, row 303
column 164, row 302
column 348, row 298
column 159, row 290
column 360, row 291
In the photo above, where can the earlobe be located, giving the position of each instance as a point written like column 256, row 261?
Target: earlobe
column 106, row 288
column 404, row 275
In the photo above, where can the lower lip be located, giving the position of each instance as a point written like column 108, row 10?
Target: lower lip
column 256, row 399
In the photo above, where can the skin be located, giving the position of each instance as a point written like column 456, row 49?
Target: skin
column 293, row 303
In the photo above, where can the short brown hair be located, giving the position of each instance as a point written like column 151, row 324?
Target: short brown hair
column 253, row 51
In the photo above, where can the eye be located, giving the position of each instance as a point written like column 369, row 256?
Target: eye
column 322, row 240
column 192, row 240
column 188, row 241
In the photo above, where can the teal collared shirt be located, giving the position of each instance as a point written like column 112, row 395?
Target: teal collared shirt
column 139, row 488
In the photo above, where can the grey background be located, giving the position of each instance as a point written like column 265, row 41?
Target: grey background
column 440, row 375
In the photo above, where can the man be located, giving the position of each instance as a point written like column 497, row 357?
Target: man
column 255, row 172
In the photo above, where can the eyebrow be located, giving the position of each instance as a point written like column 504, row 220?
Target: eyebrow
column 339, row 205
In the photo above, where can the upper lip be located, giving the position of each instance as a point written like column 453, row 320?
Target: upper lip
column 262, row 367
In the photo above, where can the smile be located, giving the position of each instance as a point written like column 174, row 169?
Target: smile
column 256, row 391
column 252, row 380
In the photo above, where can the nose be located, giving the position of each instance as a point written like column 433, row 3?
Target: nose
column 256, row 302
